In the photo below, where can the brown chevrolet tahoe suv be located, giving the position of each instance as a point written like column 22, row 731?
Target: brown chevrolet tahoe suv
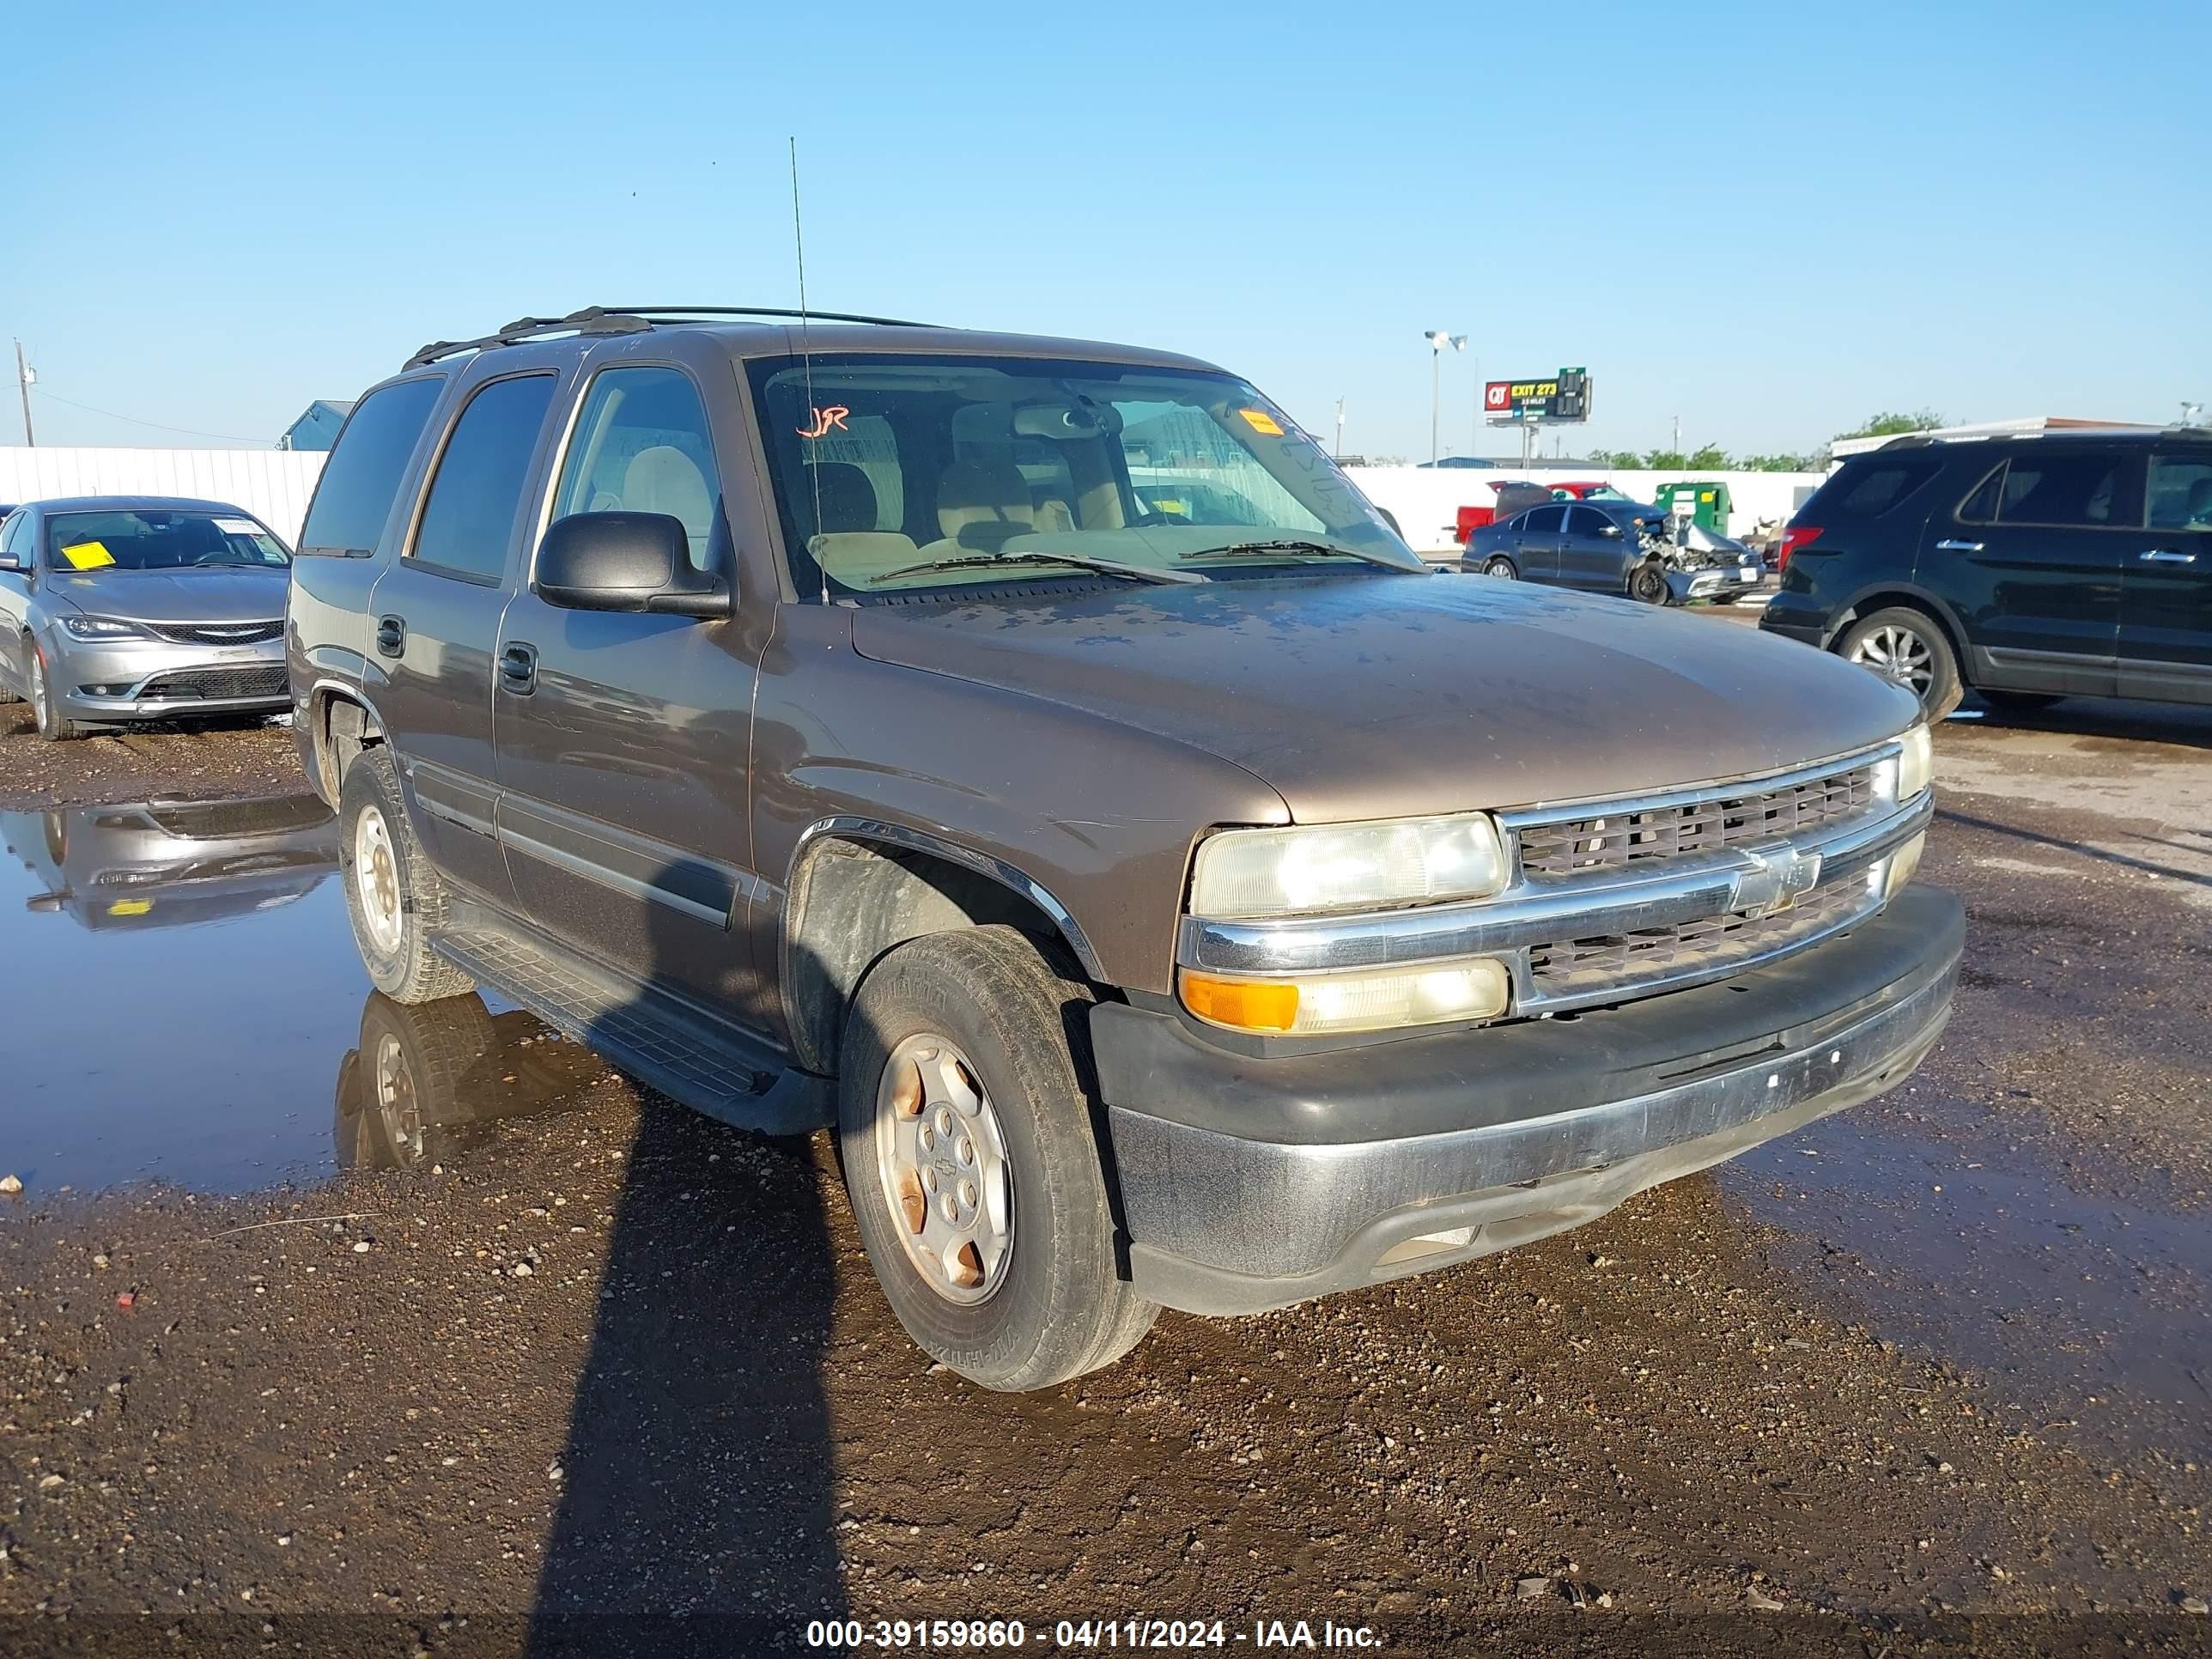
column 1035, row 760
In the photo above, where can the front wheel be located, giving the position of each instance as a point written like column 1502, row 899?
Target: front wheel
column 1647, row 585
column 394, row 899
column 53, row 725
column 1499, row 566
column 975, row 1178
column 1907, row 649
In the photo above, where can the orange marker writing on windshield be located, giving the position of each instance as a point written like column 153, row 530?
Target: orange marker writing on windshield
column 826, row 418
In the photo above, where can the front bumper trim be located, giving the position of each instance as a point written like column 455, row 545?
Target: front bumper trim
column 1222, row 1223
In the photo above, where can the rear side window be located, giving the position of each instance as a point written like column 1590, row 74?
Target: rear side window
column 2181, row 492
column 1868, row 489
column 2084, row 489
column 469, row 519
column 355, row 495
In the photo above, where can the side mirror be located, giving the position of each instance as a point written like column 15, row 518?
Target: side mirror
column 11, row 562
column 626, row 562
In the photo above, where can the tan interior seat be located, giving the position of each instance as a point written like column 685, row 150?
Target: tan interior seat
column 663, row 479
column 848, row 545
column 973, row 493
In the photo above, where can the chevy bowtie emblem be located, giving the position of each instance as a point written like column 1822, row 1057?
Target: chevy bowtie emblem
column 1783, row 876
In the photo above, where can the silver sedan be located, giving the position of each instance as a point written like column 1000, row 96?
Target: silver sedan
column 121, row 608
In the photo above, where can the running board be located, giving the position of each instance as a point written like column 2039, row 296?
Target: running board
column 647, row 1034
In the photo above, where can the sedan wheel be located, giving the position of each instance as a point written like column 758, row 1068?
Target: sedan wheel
column 52, row 726
column 1647, row 585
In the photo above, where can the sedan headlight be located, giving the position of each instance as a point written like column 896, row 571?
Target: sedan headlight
column 101, row 628
column 1310, row 870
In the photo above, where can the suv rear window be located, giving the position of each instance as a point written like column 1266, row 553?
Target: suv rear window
column 354, row 496
column 1869, row 486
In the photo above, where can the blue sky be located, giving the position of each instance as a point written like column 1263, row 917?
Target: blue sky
column 1770, row 220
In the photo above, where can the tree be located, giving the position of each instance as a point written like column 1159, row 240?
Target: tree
column 1665, row 460
column 1708, row 458
column 1890, row 424
column 1624, row 460
column 1782, row 462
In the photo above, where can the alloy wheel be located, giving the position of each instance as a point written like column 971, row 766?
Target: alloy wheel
column 395, row 1104
column 376, row 881
column 1899, row 655
column 942, row 1162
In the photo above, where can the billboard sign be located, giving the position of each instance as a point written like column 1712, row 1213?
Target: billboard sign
column 1564, row 396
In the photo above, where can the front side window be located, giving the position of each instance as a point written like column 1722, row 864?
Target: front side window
column 353, row 495
column 1586, row 521
column 469, row 519
column 641, row 446
column 2085, row 489
column 981, row 470
column 2181, row 492
column 159, row 539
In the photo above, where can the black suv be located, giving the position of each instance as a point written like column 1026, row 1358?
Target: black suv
column 2074, row 564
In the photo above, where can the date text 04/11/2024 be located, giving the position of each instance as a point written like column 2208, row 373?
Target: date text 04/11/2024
column 896, row 1634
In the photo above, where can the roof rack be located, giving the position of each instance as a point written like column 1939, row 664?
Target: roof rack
column 628, row 320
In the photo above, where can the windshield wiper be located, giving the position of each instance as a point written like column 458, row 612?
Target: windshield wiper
column 1294, row 546
column 1142, row 572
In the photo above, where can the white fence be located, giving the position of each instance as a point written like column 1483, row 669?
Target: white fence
column 1425, row 500
column 272, row 484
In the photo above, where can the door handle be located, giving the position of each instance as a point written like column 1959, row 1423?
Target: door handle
column 1957, row 547
column 391, row 635
column 518, row 669
column 2166, row 556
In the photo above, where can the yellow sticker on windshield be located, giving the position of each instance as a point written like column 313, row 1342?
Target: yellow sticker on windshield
column 87, row 556
column 131, row 908
column 1260, row 421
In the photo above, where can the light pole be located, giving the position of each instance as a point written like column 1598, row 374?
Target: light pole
column 1339, row 430
column 1438, row 340
column 25, row 378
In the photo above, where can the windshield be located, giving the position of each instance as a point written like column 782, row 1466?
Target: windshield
column 159, row 538
column 895, row 467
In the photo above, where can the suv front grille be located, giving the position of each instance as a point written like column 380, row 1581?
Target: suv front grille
column 1611, row 841
column 1569, row 966
column 256, row 633
column 217, row 684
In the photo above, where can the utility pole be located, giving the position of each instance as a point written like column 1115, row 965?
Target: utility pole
column 1438, row 340
column 1678, row 434
column 23, row 378
column 1339, row 430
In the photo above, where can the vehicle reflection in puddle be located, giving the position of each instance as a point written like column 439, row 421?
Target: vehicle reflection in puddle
column 2091, row 1309
column 430, row 1081
column 183, row 989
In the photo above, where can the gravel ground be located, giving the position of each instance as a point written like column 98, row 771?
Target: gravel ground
column 596, row 1374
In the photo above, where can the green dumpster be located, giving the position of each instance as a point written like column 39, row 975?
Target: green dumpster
column 1705, row 504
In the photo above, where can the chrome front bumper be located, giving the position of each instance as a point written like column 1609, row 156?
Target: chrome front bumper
column 1253, row 1183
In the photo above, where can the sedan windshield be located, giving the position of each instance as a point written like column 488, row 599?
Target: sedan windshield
column 159, row 538
column 895, row 473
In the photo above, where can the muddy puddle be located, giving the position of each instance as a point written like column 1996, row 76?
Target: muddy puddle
column 2091, row 1312
column 186, row 1006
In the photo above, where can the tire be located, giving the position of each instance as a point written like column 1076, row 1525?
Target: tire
column 1908, row 649
column 52, row 726
column 395, row 900
column 407, row 1085
column 1499, row 566
column 1647, row 585
column 973, row 1029
column 2016, row 702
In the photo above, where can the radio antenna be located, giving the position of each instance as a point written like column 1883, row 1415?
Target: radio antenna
column 807, row 358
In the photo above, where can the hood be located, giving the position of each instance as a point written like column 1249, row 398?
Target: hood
column 175, row 595
column 1374, row 696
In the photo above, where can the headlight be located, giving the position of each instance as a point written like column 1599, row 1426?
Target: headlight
column 1916, row 767
column 100, row 628
column 1311, row 869
column 1322, row 1005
